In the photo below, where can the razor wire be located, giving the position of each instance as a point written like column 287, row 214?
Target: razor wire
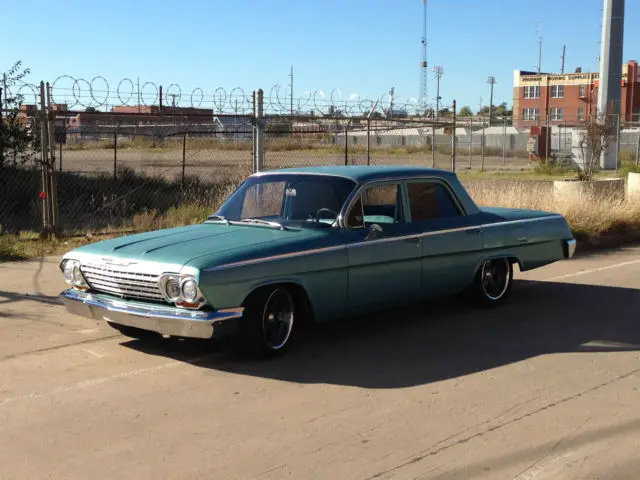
column 98, row 92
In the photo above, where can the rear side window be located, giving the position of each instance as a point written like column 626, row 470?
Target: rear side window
column 430, row 201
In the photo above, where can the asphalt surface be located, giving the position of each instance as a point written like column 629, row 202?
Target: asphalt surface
column 544, row 387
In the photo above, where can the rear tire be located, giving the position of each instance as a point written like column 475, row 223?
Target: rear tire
column 493, row 282
column 268, row 322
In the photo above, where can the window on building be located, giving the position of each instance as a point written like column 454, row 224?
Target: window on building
column 580, row 114
column 430, row 200
column 529, row 114
column 556, row 114
column 531, row 91
column 557, row 91
column 582, row 89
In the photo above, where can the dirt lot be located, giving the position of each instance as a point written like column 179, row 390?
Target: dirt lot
column 545, row 387
column 209, row 162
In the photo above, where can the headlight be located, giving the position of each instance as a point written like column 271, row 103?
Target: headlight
column 189, row 290
column 172, row 287
column 73, row 274
column 181, row 290
column 67, row 270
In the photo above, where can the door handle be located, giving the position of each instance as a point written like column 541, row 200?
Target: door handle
column 474, row 231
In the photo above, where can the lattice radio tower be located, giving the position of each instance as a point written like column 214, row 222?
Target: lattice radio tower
column 423, row 63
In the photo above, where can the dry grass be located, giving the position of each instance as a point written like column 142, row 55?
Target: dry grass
column 585, row 216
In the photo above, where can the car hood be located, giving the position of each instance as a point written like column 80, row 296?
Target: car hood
column 186, row 245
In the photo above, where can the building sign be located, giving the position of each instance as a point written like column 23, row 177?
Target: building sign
column 569, row 79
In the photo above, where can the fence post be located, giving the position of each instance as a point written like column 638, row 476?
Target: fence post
column 453, row 139
column 618, row 132
column 1, row 128
column 44, row 138
column 368, row 141
column 638, row 151
column 433, row 146
column 346, row 144
column 470, row 141
column 53, row 190
column 259, row 166
column 115, row 152
column 184, row 156
column 504, row 141
column 482, row 146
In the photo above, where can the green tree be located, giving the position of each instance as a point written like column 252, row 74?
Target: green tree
column 502, row 110
column 17, row 145
column 465, row 111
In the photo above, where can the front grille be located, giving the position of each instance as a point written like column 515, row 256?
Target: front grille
column 142, row 286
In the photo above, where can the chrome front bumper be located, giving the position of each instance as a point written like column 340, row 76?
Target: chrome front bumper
column 569, row 248
column 165, row 320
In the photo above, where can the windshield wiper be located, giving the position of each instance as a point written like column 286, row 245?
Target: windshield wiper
column 263, row 222
column 219, row 218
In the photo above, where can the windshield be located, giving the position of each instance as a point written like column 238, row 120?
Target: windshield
column 288, row 198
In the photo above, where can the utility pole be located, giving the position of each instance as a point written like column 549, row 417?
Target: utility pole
column 291, row 88
column 562, row 64
column 491, row 81
column 423, row 62
column 439, row 71
column 539, row 76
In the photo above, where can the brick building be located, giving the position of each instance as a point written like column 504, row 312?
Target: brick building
column 568, row 99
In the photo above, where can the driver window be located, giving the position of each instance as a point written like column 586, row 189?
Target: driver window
column 380, row 204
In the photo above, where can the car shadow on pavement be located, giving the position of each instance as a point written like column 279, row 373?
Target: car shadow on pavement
column 433, row 342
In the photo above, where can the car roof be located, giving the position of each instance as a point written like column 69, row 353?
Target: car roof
column 364, row 173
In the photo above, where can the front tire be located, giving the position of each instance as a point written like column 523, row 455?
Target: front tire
column 493, row 282
column 267, row 324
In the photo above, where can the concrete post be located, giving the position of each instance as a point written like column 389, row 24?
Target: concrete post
column 609, row 89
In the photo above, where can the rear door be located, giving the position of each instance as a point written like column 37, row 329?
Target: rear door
column 452, row 241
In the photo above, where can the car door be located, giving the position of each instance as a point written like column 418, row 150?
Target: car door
column 384, row 261
column 452, row 241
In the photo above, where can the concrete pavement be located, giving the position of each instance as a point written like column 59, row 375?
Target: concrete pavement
column 547, row 386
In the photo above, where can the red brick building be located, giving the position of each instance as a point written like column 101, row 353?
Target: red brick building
column 568, row 99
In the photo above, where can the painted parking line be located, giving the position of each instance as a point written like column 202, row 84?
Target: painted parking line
column 593, row 270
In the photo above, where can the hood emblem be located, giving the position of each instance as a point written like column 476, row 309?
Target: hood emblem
column 117, row 262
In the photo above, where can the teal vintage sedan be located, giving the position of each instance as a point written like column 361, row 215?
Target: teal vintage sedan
column 311, row 244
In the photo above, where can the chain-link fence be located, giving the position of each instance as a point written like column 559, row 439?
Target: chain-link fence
column 134, row 169
column 360, row 141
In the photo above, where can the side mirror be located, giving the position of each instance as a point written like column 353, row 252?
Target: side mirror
column 375, row 231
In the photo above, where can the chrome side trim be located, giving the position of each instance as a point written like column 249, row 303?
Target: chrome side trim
column 274, row 257
column 163, row 320
column 523, row 220
column 380, row 240
column 570, row 248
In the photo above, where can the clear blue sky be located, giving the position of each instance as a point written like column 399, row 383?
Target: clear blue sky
column 357, row 46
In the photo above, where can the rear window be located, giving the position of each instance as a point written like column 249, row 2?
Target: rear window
column 430, row 201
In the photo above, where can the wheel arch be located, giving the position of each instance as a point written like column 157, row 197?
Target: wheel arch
column 510, row 256
column 296, row 289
